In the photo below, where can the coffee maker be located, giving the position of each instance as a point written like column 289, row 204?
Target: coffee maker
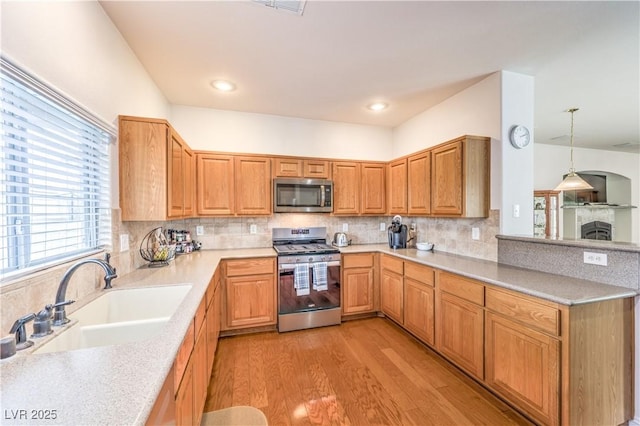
column 397, row 233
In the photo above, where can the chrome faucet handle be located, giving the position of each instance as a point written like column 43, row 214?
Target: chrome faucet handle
column 21, row 333
column 44, row 319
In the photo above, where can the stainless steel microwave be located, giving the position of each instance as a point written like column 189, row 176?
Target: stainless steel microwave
column 291, row 195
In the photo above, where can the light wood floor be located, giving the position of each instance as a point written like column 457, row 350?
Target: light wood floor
column 364, row 372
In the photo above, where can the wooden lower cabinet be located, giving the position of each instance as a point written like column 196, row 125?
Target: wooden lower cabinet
column 213, row 321
column 200, row 374
column 185, row 402
column 523, row 365
column 358, row 286
column 250, row 293
column 182, row 398
column 577, row 360
column 392, row 287
column 419, row 301
column 460, row 321
column 460, row 332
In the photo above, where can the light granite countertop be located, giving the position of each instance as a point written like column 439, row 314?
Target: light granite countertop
column 110, row 384
column 556, row 288
column 119, row 384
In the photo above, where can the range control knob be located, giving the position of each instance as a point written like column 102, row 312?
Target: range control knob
column 310, row 259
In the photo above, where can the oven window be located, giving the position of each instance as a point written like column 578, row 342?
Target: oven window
column 289, row 301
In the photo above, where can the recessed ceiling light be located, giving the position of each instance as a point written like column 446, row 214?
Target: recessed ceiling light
column 223, row 85
column 377, row 106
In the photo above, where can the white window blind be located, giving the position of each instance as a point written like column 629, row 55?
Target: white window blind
column 54, row 176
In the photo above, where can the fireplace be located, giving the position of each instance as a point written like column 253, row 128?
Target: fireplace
column 596, row 230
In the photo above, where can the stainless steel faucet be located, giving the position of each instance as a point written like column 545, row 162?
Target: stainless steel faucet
column 60, row 315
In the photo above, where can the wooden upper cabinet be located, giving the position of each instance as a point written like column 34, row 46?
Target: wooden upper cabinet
column 180, row 175
column 346, row 187
column 447, row 179
column 419, row 184
column 154, row 176
column 215, row 184
column 287, row 167
column 397, row 187
column 460, row 177
column 253, row 185
column 372, row 186
column 319, row 169
column 189, row 162
column 358, row 188
column 300, row 168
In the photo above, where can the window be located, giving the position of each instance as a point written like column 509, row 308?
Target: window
column 54, row 176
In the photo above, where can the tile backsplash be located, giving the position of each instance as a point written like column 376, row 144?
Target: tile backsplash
column 30, row 294
column 449, row 235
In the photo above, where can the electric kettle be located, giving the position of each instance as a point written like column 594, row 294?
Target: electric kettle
column 340, row 239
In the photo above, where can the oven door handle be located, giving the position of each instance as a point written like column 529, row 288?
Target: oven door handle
column 293, row 265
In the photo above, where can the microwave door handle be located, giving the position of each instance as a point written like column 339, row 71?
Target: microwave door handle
column 322, row 197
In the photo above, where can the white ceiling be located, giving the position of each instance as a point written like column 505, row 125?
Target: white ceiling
column 329, row 63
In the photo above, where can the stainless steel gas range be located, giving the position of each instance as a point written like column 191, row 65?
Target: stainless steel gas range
column 308, row 278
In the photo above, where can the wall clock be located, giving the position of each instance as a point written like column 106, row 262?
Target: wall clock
column 519, row 136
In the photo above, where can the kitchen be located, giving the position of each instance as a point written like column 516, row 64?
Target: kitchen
column 116, row 66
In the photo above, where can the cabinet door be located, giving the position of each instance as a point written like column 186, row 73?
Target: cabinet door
column 318, row 169
column 287, row 167
column 419, row 310
column 446, row 179
column 419, row 184
column 397, row 187
column 523, row 366
column 391, row 295
column 346, row 188
column 373, row 186
column 253, row 186
column 189, row 183
column 459, row 335
column 250, row 300
column 185, row 409
column 200, row 375
column 142, row 153
column 176, row 176
column 164, row 409
column 215, row 185
column 357, row 291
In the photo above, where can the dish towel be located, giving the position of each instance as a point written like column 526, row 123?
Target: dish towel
column 301, row 279
column 320, row 276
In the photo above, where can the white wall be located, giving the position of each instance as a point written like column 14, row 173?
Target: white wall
column 230, row 131
column 75, row 48
column 488, row 108
column 552, row 161
column 517, row 102
column 474, row 111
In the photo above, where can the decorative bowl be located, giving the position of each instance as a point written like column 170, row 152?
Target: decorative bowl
column 424, row 246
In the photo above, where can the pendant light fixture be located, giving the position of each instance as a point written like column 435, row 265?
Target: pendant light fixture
column 573, row 181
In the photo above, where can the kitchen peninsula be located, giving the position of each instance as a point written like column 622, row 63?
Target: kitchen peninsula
column 136, row 371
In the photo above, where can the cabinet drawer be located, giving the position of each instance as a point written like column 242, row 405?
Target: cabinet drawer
column 525, row 310
column 421, row 273
column 465, row 288
column 392, row 264
column 250, row 267
column 360, row 260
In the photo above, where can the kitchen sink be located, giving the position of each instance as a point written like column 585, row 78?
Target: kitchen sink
column 119, row 316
